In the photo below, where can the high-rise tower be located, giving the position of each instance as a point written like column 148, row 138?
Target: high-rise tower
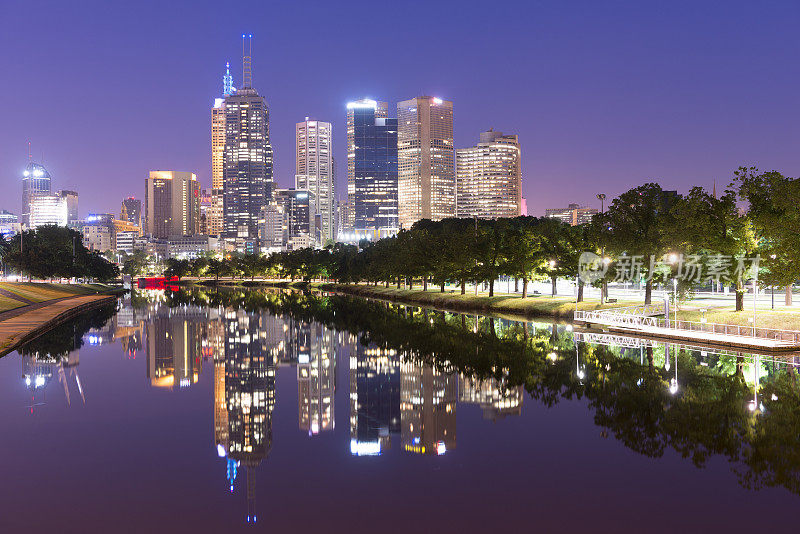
column 35, row 182
column 214, row 215
column 426, row 179
column 371, row 170
column 489, row 177
column 315, row 171
column 247, row 164
column 172, row 204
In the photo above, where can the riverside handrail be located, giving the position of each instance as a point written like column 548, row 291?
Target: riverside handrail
column 603, row 317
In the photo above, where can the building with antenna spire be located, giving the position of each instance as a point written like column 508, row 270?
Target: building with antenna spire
column 35, row 182
column 214, row 215
column 247, row 161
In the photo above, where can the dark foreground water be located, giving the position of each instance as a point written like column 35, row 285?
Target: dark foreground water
column 209, row 412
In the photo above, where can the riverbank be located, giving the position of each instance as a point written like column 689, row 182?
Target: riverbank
column 16, row 295
column 561, row 307
column 35, row 319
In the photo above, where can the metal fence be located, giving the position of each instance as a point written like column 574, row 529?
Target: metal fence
column 630, row 318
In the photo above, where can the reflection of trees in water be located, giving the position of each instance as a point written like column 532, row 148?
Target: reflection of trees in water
column 709, row 415
column 66, row 337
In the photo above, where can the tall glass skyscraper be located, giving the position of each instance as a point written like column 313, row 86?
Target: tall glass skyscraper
column 427, row 179
column 371, row 170
column 247, row 173
column 35, row 182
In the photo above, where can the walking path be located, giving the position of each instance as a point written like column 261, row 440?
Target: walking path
column 23, row 324
column 12, row 295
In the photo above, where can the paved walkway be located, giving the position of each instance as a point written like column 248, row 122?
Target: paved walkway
column 14, row 296
column 31, row 321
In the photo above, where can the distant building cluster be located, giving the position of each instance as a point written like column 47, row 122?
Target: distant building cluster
column 400, row 170
column 574, row 214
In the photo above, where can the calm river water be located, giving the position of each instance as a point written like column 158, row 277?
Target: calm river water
column 284, row 412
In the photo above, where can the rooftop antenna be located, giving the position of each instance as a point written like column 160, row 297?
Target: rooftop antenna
column 227, row 81
column 29, row 152
column 247, row 58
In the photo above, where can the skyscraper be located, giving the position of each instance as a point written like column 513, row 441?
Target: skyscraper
column 315, row 170
column 489, row 177
column 35, row 181
column 247, row 167
column 426, row 180
column 218, row 154
column 172, row 204
column 131, row 211
column 48, row 209
column 371, row 169
column 71, row 198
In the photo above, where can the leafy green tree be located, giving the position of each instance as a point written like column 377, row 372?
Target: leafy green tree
column 773, row 200
column 135, row 264
column 637, row 223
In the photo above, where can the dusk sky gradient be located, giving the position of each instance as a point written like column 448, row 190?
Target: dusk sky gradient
column 603, row 95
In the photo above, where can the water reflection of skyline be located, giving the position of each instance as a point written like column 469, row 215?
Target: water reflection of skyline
column 394, row 395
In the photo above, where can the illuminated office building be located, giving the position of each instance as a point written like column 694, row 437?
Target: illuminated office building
column 172, row 204
column 71, row 198
column 9, row 223
column 314, row 171
column 489, row 177
column 247, row 166
column 428, row 409
column 574, row 214
column 371, row 171
column 218, row 153
column 35, row 182
column 299, row 223
column 374, row 398
column 131, row 211
column 48, row 209
column 426, row 178
column 495, row 398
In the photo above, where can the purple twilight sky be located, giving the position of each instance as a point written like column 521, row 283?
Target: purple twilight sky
column 603, row 95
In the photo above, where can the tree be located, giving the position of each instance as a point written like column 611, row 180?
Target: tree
column 636, row 223
column 523, row 252
column 773, row 200
column 135, row 264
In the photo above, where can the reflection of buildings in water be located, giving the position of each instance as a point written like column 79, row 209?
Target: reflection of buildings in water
column 174, row 345
column 316, row 377
column 495, row 399
column 249, row 397
column 374, row 398
column 428, row 409
column 38, row 370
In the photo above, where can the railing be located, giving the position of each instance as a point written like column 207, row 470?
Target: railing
column 624, row 317
column 731, row 330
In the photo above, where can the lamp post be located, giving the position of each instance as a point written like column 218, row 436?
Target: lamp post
column 552, row 264
column 602, row 198
column 772, row 289
column 672, row 260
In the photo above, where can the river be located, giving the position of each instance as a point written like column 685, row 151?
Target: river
column 220, row 411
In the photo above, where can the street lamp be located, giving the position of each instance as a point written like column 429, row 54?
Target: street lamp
column 602, row 198
column 772, row 293
column 672, row 259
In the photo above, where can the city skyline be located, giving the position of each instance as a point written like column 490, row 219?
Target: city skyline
column 595, row 107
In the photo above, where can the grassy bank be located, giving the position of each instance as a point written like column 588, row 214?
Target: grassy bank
column 17, row 294
column 535, row 305
column 779, row 319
